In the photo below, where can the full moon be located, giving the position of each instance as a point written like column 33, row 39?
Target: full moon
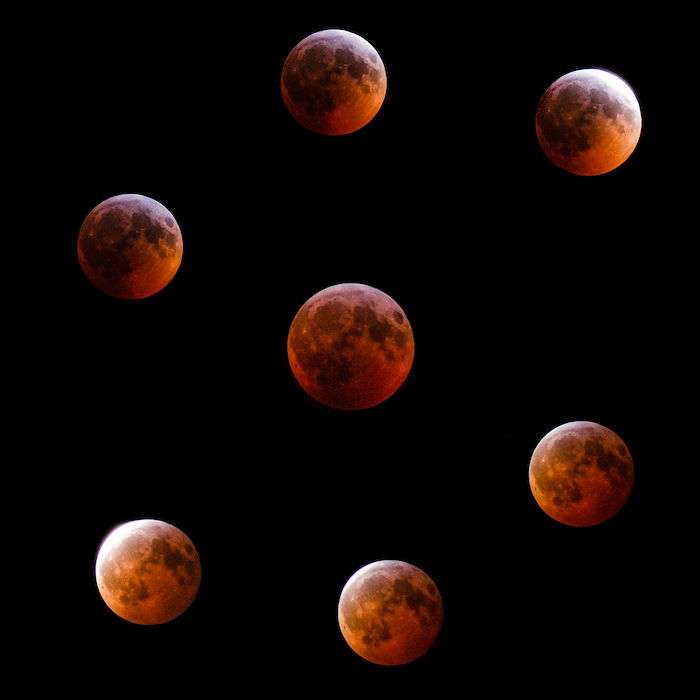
column 350, row 346
column 130, row 246
column 588, row 121
column 147, row 571
column 390, row 612
column 581, row 473
column 333, row 82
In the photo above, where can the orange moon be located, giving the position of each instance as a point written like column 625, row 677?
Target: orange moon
column 588, row 122
column 148, row 571
column 130, row 246
column 581, row 473
column 350, row 346
column 333, row 82
column 390, row 612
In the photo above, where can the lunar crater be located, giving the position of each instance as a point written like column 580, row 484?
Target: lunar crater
column 376, row 633
column 135, row 593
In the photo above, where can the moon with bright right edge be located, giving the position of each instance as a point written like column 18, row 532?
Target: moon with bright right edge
column 333, row 82
column 581, row 473
column 390, row 612
column 588, row 121
column 148, row 571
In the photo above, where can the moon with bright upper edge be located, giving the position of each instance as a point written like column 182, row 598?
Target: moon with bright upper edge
column 588, row 121
column 130, row 246
column 333, row 82
column 581, row 473
column 350, row 346
column 390, row 612
column 148, row 571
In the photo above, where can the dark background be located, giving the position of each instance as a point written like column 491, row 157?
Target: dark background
column 536, row 297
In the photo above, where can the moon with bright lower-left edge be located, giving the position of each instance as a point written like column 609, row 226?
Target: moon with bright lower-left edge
column 148, row 571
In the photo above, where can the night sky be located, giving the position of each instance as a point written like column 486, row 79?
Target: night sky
column 536, row 297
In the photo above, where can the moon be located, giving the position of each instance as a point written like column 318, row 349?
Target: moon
column 581, row 473
column 333, row 82
column 588, row 122
column 130, row 246
column 390, row 612
column 350, row 346
column 148, row 571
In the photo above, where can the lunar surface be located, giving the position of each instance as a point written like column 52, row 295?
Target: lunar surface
column 581, row 473
column 333, row 82
column 148, row 571
column 588, row 122
column 130, row 246
column 390, row 612
column 350, row 346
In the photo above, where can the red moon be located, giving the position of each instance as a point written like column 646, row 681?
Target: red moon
column 588, row 122
column 333, row 82
column 350, row 346
column 148, row 571
column 130, row 246
column 390, row 612
column 581, row 473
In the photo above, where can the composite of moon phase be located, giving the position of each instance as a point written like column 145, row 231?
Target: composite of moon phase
column 350, row 346
column 588, row 121
column 130, row 246
column 581, row 473
column 390, row 612
column 333, row 82
column 148, row 571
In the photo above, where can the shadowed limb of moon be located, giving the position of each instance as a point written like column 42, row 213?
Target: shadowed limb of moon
column 588, row 122
column 350, row 346
column 130, row 246
column 333, row 82
column 390, row 612
column 147, row 571
column 581, row 473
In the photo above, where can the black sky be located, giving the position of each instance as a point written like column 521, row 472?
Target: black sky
column 536, row 297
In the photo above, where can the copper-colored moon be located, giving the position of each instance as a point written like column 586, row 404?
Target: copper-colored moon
column 350, row 346
column 588, row 122
column 130, row 246
column 390, row 612
column 333, row 82
column 581, row 473
column 148, row 571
